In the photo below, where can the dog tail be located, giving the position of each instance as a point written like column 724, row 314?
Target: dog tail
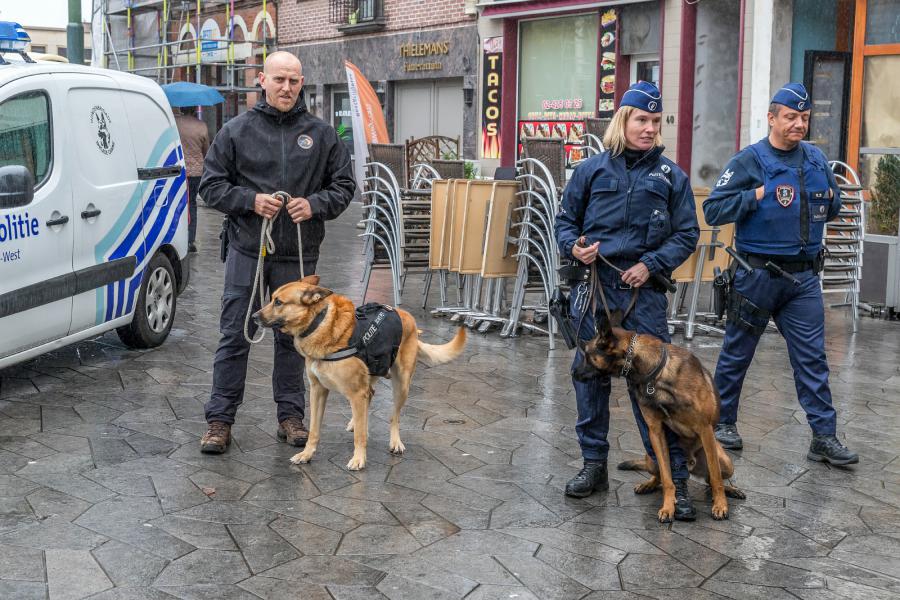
column 632, row 465
column 433, row 355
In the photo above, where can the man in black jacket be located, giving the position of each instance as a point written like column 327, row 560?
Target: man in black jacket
column 276, row 146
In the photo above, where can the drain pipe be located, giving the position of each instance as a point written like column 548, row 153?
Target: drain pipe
column 740, row 79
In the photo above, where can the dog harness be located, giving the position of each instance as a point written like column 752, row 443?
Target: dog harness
column 375, row 339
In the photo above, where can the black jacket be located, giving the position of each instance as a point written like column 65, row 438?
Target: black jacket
column 265, row 150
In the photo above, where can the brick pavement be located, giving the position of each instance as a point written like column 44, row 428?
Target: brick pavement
column 104, row 494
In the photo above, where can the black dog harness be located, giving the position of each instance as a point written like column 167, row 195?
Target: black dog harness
column 375, row 339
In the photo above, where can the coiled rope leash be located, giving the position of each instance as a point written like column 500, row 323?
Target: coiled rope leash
column 267, row 246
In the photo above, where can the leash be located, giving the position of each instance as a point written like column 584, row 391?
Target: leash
column 596, row 285
column 267, row 246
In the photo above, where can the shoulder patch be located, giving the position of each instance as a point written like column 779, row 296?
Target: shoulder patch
column 725, row 178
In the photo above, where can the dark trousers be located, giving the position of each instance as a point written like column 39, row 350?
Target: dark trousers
column 799, row 313
column 230, row 367
column 193, row 190
column 592, row 397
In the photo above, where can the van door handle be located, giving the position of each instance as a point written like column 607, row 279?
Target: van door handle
column 59, row 221
column 90, row 214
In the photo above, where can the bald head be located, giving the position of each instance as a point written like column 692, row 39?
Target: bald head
column 282, row 80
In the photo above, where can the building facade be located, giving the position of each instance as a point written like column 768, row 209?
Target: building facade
column 420, row 55
column 54, row 40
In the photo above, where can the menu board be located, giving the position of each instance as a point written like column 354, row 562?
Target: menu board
column 607, row 92
column 570, row 131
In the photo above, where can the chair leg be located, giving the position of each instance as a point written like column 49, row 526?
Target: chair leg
column 367, row 275
column 442, row 284
column 427, row 286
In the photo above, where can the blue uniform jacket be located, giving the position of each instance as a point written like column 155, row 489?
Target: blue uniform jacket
column 733, row 199
column 645, row 213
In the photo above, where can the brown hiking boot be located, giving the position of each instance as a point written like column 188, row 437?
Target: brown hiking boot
column 216, row 438
column 293, row 431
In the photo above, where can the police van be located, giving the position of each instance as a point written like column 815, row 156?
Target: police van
column 93, row 226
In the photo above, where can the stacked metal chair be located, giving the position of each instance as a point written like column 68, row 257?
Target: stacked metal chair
column 397, row 217
column 541, row 176
column 843, row 241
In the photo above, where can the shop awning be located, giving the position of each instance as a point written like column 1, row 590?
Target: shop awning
column 500, row 9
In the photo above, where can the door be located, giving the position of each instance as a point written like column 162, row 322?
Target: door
column 827, row 77
column 426, row 108
column 107, row 196
column 36, row 278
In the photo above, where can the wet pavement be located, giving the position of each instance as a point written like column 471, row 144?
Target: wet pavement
column 104, row 494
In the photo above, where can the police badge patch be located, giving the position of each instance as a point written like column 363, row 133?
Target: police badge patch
column 305, row 142
column 785, row 195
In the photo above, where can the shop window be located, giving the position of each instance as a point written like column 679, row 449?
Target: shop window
column 342, row 118
column 558, row 68
column 25, row 134
column 882, row 22
column 645, row 68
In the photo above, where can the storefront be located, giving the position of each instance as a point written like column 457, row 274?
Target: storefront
column 426, row 81
column 561, row 66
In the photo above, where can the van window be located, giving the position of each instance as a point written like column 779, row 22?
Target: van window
column 25, row 133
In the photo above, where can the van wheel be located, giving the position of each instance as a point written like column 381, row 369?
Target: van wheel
column 155, row 309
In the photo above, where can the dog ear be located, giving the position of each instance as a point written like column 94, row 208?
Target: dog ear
column 311, row 279
column 315, row 294
column 603, row 326
column 617, row 318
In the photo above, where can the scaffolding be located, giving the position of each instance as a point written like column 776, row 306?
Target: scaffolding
column 156, row 38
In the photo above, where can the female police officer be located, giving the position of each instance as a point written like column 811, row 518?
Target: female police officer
column 635, row 207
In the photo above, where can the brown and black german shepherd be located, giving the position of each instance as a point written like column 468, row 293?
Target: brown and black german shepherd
column 683, row 398
column 293, row 308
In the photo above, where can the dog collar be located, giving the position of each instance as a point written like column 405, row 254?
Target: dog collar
column 315, row 324
column 629, row 357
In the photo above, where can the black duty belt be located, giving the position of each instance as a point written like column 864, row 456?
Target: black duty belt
column 758, row 261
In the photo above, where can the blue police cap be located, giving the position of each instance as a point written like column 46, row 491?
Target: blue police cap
column 643, row 95
column 793, row 95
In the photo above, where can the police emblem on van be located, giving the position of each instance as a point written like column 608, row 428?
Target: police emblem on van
column 100, row 119
column 305, row 142
column 784, row 194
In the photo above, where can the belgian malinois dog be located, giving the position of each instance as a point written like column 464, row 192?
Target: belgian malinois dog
column 674, row 389
column 294, row 308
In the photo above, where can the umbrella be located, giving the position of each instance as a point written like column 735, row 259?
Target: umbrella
column 185, row 93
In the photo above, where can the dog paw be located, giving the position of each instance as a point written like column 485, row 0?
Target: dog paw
column 350, row 425
column 356, row 463
column 397, row 448
column 720, row 513
column 647, row 487
column 666, row 514
column 301, row 457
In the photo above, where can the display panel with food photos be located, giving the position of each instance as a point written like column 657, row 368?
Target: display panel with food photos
column 570, row 131
column 607, row 92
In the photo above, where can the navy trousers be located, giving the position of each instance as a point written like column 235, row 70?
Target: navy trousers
column 193, row 194
column 799, row 313
column 592, row 398
column 230, row 367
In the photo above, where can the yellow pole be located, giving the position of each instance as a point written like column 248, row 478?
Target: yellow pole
column 197, row 40
column 130, row 40
column 165, row 39
column 264, row 23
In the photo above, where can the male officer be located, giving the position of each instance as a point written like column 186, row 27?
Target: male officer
column 636, row 207
column 779, row 192
column 275, row 146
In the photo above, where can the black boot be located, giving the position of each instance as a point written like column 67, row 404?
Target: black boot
column 591, row 477
column 827, row 448
column 684, row 507
column 727, row 435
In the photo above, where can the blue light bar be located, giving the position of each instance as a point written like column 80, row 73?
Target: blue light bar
column 13, row 38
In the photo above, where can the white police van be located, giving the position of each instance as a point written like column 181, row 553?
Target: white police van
column 93, row 226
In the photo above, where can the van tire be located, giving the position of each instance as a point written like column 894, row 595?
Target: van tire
column 148, row 330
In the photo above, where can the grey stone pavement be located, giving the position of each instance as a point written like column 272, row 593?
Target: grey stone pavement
column 104, row 494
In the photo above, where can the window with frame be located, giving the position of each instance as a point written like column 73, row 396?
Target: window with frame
column 39, row 48
column 25, row 134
